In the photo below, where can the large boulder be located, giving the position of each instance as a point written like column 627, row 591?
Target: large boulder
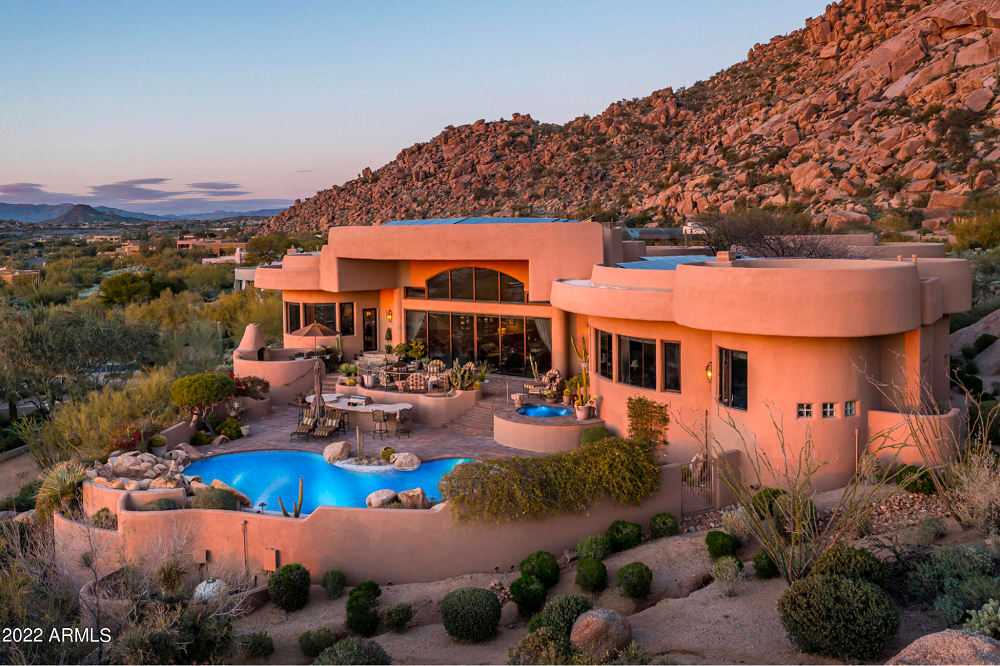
column 209, row 590
column 192, row 452
column 167, row 481
column 601, row 632
column 951, row 646
column 243, row 499
column 414, row 499
column 380, row 498
column 336, row 451
column 405, row 461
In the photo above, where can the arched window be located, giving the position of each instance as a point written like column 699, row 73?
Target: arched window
column 475, row 284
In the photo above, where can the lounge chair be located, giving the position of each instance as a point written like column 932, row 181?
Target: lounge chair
column 304, row 429
column 328, row 427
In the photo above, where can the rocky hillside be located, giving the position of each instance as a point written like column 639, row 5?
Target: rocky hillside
column 876, row 106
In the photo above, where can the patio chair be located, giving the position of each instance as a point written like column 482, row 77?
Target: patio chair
column 327, row 428
column 403, row 422
column 381, row 423
column 416, row 383
column 304, row 429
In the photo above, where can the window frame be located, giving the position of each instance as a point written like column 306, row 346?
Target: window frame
column 600, row 365
column 804, row 410
column 850, row 408
column 289, row 328
column 346, row 331
column 725, row 390
column 664, row 344
column 828, row 410
column 624, row 370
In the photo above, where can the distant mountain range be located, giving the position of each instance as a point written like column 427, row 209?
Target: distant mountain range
column 67, row 213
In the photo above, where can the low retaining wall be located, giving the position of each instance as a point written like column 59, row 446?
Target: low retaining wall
column 430, row 409
column 556, row 433
column 890, row 432
column 287, row 377
column 386, row 545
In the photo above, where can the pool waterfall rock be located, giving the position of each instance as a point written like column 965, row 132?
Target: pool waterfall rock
column 415, row 498
column 405, row 461
column 336, row 451
column 243, row 499
column 380, row 498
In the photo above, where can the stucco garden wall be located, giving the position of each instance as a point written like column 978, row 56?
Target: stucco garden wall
column 430, row 409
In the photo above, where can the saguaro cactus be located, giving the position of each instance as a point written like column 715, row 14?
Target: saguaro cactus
column 296, row 507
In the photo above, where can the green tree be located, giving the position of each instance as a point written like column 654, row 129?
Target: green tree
column 200, row 393
column 267, row 249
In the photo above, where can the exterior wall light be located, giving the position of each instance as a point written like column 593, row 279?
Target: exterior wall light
column 388, row 316
column 708, row 372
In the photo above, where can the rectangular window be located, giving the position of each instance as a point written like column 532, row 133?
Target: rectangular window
column 603, row 346
column 439, row 336
column 416, row 326
column 347, row 318
column 829, row 410
column 414, row 292
column 293, row 317
column 851, row 408
column 637, row 362
column 804, row 410
column 511, row 290
column 671, row 366
column 487, row 285
column 461, row 284
column 733, row 378
column 321, row 313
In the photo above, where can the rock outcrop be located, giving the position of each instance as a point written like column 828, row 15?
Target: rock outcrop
column 413, row 499
column 380, row 498
column 336, row 451
column 600, row 633
column 951, row 646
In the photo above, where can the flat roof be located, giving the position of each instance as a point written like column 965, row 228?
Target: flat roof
column 665, row 263
column 475, row 220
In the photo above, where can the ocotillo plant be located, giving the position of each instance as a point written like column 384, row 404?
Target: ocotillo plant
column 296, row 507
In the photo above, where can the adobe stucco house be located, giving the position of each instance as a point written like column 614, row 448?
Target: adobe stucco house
column 707, row 336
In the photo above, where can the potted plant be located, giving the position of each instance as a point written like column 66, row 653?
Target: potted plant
column 567, row 397
column 582, row 409
column 550, row 396
column 245, row 430
column 351, row 381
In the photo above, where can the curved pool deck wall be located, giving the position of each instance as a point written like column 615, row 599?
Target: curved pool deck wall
column 385, row 545
column 532, row 433
column 287, row 376
column 430, row 409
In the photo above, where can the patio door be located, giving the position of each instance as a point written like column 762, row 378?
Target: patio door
column 369, row 329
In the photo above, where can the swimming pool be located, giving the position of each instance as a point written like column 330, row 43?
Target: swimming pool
column 263, row 476
column 544, row 411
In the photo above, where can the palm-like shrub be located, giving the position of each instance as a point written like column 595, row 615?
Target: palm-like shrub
column 543, row 566
column 289, row 587
column 471, row 613
column 60, row 488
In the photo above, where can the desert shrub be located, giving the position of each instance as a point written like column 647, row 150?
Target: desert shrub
column 720, row 544
column 529, row 595
column 23, row 500
column 60, row 489
column 289, row 587
column 161, row 504
column 838, row 617
column 252, row 387
column 623, row 535
column 171, row 575
column 397, row 617
column 647, row 421
column 593, row 547
column 634, row 580
column 915, row 480
column 975, row 491
column 207, row 636
column 984, row 341
column 764, row 565
column 965, row 596
column 471, row 613
column 362, row 618
column 983, row 416
column 386, row 453
column 543, row 566
column 333, row 582
column 157, row 441
column 591, row 575
column 544, row 646
column 140, row 645
column 763, row 501
column 594, row 434
column 560, row 613
column 663, row 525
column 932, row 529
column 352, row 650
column 508, row 489
column 313, row 642
column 632, row 655
column 728, row 573
column 858, row 563
column 215, row 498
column 943, row 569
column 369, row 588
column 201, row 438
column 230, row 428
column 105, row 520
column 257, row 644
column 986, row 620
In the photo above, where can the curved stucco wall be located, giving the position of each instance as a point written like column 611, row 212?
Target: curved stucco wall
column 287, row 378
column 585, row 298
column 799, row 297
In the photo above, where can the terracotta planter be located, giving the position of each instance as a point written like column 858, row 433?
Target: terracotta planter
column 551, row 400
column 567, row 399
column 583, row 412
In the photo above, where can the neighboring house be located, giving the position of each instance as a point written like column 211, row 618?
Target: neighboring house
column 217, row 247
column 243, row 278
column 712, row 337
column 8, row 275
column 236, row 258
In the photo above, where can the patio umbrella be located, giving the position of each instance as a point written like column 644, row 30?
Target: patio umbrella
column 317, row 403
column 315, row 330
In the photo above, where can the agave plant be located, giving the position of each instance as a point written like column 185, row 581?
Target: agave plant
column 60, row 488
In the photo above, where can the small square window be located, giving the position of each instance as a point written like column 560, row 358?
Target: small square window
column 804, row 410
column 850, row 408
column 829, row 410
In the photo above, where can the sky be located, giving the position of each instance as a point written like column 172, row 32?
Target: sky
column 179, row 107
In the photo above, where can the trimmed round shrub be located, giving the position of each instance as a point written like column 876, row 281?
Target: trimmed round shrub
column 352, row 650
column 201, row 438
column 857, row 563
column 215, row 498
column 560, row 613
column 763, row 501
column 397, row 617
column 313, row 642
column 913, row 479
column 529, row 595
column 362, row 618
column 543, row 566
column 838, row 617
column 333, row 582
column 369, row 588
column 289, row 586
column 593, row 547
column 200, row 392
column 594, row 434
column 257, row 644
column 663, row 525
column 624, row 535
column 386, row 453
column 634, row 580
column 721, row 544
column 984, row 341
column 470, row 613
column 764, row 565
column 162, row 504
column 544, row 647
column 230, row 428
column 591, row 575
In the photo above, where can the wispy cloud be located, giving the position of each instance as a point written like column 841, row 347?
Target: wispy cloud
column 214, row 185
column 133, row 190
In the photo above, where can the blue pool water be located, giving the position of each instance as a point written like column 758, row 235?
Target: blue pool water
column 266, row 475
column 544, row 411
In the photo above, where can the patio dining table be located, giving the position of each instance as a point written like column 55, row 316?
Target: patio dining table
column 341, row 401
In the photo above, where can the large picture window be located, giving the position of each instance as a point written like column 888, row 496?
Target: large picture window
column 471, row 284
column 293, row 317
column 671, row 366
column 733, row 384
column 637, row 362
column 602, row 344
column 321, row 313
column 347, row 318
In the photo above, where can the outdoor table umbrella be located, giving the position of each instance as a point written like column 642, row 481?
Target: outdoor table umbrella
column 315, row 330
column 317, row 403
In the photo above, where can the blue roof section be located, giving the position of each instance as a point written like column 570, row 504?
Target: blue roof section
column 475, row 220
column 665, row 263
